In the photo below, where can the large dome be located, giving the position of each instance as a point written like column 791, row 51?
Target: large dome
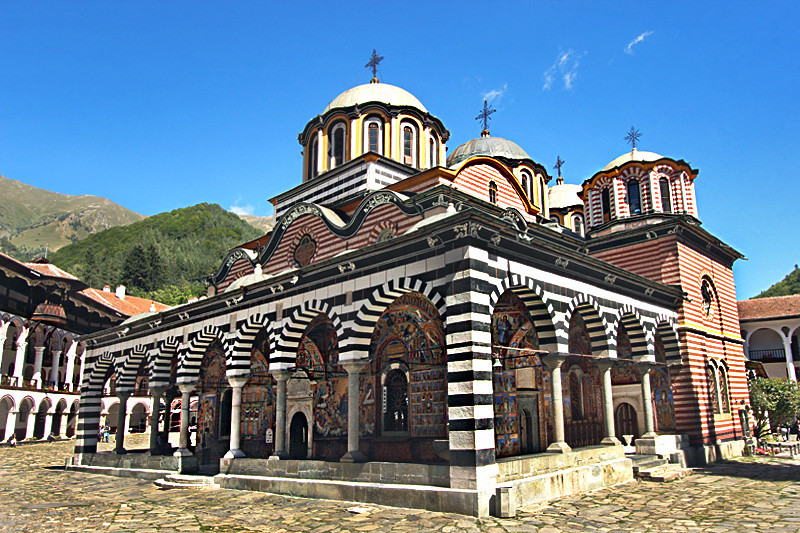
column 375, row 92
column 564, row 195
column 635, row 155
column 488, row 146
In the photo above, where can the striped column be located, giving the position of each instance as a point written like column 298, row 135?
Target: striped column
column 469, row 384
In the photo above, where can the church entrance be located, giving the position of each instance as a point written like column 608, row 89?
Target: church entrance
column 298, row 437
column 625, row 421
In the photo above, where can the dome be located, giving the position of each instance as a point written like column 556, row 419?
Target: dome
column 488, row 146
column 564, row 195
column 50, row 313
column 375, row 92
column 635, row 155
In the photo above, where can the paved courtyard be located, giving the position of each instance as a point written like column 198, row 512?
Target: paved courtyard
column 38, row 495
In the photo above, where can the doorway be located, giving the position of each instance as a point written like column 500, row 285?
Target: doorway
column 625, row 421
column 298, row 437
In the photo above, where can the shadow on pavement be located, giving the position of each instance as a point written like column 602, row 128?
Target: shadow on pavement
column 767, row 471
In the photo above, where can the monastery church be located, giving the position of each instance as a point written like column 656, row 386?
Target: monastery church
column 448, row 332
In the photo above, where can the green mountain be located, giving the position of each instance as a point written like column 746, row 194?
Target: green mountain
column 787, row 286
column 32, row 219
column 160, row 257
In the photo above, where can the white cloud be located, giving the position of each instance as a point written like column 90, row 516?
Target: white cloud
column 242, row 209
column 566, row 67
column 640, row 38
column 495, row 94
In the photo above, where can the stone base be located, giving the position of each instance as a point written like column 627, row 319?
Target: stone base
column 559, row 447
column 234, row 454
column 720, row 451
column 353, row 457
column 611, row 441
column 279, row 456
column 662, row 445
column 187, row 464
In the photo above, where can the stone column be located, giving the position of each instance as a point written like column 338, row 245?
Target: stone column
column 37, row 366
column 281, row 376
column 70, row 370
column 80, row 374
column 186, row 397
column 62, row 430
column 55, row 368
column 237, row 384
column 155, row 414
column 354, row 369
column 29, row 427
column 19, row 361
column 168, row 399
column 647, row 401
column 787, row 349
column 48, row 425
column 11, row 424
column 554, row 362
column 604, row 365
column 122, row 419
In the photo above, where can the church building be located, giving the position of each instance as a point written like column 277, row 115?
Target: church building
column 442, row 332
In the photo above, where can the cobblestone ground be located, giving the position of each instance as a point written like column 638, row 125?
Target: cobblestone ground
column 38, row 495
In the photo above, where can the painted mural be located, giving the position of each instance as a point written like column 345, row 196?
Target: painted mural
column 664, row 402
column 579, row 340
column 211, row 387
column 624, row 349
column 506, row 417
column 410, row 332
column 258, row 402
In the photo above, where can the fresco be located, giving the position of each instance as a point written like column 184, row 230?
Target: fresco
column 211, row 386
column 258, row 401
column 664, row 402
column 506, row 422
column 624, row 349
column 579, row 341
column 428, row 403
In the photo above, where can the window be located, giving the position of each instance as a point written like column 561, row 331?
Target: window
column 525, row 180
column 708, row 297
column 409, row 144
column 373, row 135
column 492, row 192
column 433, row 149
column 542, row 188
column 313, row 154
column 605, row 202
column 666, row 195
column 725, row 400
column 577, row 224
column 395, row 406
column 634, row 198
column 336, row 153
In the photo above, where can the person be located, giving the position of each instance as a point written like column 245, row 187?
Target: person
column 51, row 437
column 12, row 440
column 106, row 433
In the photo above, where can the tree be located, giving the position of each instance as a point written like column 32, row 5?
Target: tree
column 774, row 401
column 135, row 268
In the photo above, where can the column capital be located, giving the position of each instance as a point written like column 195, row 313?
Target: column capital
column 604, row 364
column 354, row 366
column 123, row 395
column 280, row 375
column 554, row 360
column 238, row 381
column 187, row 388
column 157, row 391
column 644, row 367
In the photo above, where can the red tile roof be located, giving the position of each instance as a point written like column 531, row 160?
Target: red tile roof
column 763, row 308
column 130, row 305
column 49, row 270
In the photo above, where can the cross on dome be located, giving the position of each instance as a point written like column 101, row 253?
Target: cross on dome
column 485, row 116
column 558, row 165
column 633, row 136
column 373, row 63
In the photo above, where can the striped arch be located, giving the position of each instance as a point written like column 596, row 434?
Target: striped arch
column 602, row 342
column 295, row 327
column 641, row 349
column 190, row 361
column 540, row 310
column 369, row 314
column 91, row 402
column 161, row 362
column 669, row 336
column 129, row 367
column 238, row 362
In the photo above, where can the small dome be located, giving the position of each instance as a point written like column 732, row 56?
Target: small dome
column 488, row 146
column 50, row 313
column 564, row 195
column 635, row 155
column 375, row 92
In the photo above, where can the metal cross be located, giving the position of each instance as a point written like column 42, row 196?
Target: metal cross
column 373, row 62
column 559, row 164
column 485, row 114
column 633, row 136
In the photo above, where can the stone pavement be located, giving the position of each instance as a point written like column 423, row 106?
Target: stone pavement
column 38, row 495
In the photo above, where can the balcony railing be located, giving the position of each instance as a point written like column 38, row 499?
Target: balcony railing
column 775, row 354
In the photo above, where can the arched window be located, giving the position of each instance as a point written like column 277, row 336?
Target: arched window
column 666, row 195
column 555, row 218
column 409, row 144
column 708, row 297
column 493, row 192
column 373, row 135
column 577, row 224
column 576, row 392
column 336, row 151
column 542, row 188
column 525, row 180
column 713, row 387
column 605, row 203
column 395, row 407
column 313, row 156
column 725, row 401
column 433, row 151
column 634, row 198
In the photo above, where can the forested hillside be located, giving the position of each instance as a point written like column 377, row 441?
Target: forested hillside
column 161, row 257
column 787, row 286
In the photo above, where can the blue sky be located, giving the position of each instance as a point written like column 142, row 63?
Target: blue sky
column 161, row 105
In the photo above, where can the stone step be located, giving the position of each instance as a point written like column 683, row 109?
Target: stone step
column 663, row 473
column 178, row 481
column 649, row 465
